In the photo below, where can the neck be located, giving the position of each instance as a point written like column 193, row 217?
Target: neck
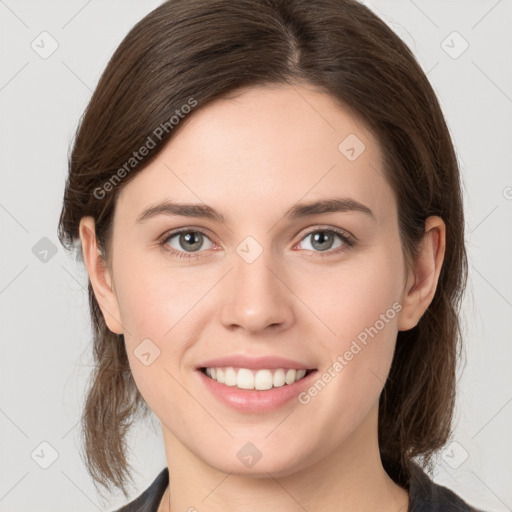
column 350, row 478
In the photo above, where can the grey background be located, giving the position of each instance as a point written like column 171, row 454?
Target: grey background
column 45, row 332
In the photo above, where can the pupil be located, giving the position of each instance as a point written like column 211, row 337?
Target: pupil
column 323, row 239
column 192, row 238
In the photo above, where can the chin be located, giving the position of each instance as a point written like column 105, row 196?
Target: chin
column 241, row 464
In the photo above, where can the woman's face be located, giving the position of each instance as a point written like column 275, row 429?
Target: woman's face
column 322, row 289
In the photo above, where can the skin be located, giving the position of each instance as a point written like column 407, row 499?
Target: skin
column 253, row 156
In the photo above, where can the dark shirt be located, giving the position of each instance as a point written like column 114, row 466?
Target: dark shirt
column 424, row 496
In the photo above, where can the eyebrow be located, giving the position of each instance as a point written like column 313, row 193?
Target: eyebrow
column 297, row 211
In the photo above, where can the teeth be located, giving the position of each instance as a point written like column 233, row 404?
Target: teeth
column 255, row 379
column 230, row 377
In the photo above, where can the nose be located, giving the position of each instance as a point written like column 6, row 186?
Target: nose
column 256, row 295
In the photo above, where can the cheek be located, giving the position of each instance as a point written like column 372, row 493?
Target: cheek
column 154, row 301
column 163, row 313
column 343, row 313
column 358, row 308
column 352, row 297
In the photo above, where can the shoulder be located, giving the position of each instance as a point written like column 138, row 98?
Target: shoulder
column 427, row 496
column 150, row 499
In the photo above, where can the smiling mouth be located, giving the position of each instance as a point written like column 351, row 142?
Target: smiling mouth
column 259, row 380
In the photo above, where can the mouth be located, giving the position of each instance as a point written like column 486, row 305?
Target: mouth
column 255, row 390
column 256, row 380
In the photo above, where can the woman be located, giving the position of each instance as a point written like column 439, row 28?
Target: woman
column 267, row 201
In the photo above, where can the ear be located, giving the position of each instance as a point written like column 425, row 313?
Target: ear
column 423, row 277
column 99, row 275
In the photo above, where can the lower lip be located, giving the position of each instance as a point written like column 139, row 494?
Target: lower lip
column 254, row 401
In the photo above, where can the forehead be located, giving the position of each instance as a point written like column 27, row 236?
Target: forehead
column 261, row 150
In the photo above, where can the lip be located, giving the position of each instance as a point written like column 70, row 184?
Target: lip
column 255, row 363
column 254, row 401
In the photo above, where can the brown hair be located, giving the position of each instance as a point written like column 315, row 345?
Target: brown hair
column 207, row 49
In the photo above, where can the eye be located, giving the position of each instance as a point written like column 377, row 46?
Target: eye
column 186, row 240
column 323, row 241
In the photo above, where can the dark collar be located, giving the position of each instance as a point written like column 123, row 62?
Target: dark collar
column 427, row 496
column 424, row 495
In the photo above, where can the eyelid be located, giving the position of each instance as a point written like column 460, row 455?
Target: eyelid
column 192, row 229
column 324, row 227
column 303, row 233
column 347, row 237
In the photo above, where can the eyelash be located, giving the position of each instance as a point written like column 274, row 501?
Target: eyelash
column 349, row 242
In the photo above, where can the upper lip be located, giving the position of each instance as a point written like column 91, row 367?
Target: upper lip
column 254, row 363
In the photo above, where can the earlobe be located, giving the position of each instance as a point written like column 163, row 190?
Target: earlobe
column 423, row 278
column 99, row 275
